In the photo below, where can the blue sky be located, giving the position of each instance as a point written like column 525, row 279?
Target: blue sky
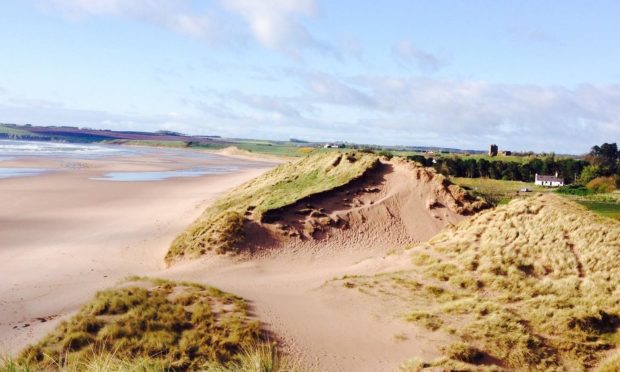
column 528, row 75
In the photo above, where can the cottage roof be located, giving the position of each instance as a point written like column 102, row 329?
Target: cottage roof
column 548, row 178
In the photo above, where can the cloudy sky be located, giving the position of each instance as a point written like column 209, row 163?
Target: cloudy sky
column 528, row 75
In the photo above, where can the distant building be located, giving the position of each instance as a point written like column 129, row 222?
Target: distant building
column 506, row 153
column 334, row 146
column 493, row 150
column 548, row 181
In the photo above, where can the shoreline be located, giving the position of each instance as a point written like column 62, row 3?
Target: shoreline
column 64, row 236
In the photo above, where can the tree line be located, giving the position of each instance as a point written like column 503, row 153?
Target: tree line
column 601, row 161
column 524, row 171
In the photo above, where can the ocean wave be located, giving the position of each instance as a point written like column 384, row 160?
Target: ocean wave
column 10, row 148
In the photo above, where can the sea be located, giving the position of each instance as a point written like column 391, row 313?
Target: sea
column 72, row 153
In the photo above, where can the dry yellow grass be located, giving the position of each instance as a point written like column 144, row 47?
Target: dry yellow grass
column 149, row 324
column 532, row 285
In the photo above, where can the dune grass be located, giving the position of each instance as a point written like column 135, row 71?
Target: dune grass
column 531, row 285
column 153, row 324
column 220, row 228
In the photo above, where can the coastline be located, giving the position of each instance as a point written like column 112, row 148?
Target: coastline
column 64, row 236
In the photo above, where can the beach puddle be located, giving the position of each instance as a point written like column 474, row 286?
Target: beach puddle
column 163, row 175
column 20, row 172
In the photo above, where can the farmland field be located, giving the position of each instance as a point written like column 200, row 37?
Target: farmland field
column 611, row 210
column 497, row 191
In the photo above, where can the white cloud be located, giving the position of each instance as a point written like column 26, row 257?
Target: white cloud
column 407, row 54
column 381, row 110
column 275, row 24
column 178, row 16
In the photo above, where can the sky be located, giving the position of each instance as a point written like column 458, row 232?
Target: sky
column 528, row 75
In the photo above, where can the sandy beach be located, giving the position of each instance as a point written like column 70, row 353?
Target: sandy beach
column 63, row 235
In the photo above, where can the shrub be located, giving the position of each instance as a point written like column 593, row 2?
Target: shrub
column 577, row 190
column 305, row 150
column 602, row 184
column 386, row 154
column 589, row 173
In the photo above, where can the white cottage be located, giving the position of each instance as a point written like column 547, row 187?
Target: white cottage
column 548, row 181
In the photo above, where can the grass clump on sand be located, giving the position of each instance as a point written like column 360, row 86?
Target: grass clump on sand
column 152, row 324
column 531, row 285
column 429, row 321
column 220, row 228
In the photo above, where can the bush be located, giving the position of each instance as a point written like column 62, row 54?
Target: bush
column 577, row 190
column 589, row 173
column 602, row 184
column 386, row 154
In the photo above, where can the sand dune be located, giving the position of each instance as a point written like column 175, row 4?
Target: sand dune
column 288, row 263
column 89, row 236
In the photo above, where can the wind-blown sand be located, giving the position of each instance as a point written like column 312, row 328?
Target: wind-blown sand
column 64, row 236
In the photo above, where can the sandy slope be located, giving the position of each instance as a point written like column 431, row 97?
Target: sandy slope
column 63, row 236
column 327, row 328
column 82, row 239
column 324, row 325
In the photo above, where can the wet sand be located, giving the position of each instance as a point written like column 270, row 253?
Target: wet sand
column 63, row 235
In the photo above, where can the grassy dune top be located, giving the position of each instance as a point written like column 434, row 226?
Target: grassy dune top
column 220, row 227
column 532, row 285
column 148, row 324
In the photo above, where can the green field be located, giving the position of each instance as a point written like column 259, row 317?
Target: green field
column 611, row 210
column 285, row 149
column 15, row 132
column 512, row 158
column 497, row 191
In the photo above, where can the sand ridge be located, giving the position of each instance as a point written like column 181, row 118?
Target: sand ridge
column 290, row 263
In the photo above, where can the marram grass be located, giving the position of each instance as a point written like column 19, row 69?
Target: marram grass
column 532, row 285
column 220, row 228
column 154, row 325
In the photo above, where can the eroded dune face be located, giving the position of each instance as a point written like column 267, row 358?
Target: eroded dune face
column 394, row 204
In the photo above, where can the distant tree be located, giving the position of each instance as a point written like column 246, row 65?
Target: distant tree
column 606, row 157
column 470, row 168
column 589, row 173
column 525, row 171
column 420, row 159
column 483, row 167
